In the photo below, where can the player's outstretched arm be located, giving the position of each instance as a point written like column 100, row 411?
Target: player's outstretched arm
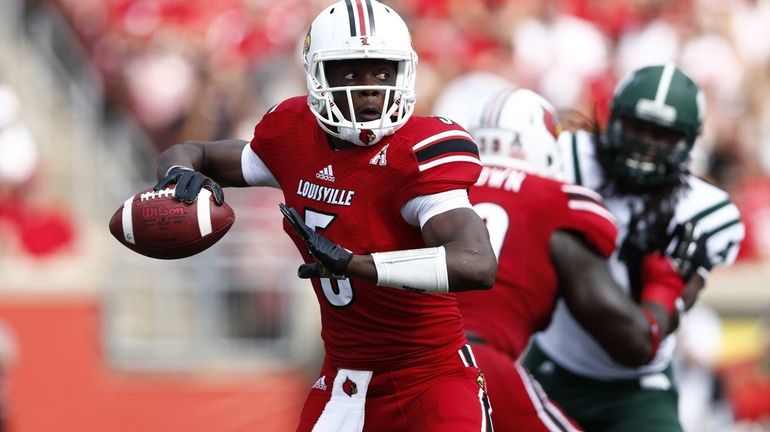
column 627, row 332
column 458, row 257
column 218, row 160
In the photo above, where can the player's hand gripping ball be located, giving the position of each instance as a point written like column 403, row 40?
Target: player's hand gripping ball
column 157, row 224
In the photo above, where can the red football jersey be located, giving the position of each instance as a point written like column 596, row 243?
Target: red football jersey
column 354, row 196
column 522, row 211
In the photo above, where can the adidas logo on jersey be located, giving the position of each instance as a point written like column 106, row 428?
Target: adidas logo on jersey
column 326, row 173
column 320, row 384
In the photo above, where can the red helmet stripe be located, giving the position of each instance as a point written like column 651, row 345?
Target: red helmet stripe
column 361, row 20
column 494, row 107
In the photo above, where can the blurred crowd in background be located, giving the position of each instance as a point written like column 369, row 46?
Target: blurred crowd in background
column 209, row 69
column 200, row 69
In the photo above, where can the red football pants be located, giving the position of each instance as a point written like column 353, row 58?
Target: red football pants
column 445, row 397
column 520, row 403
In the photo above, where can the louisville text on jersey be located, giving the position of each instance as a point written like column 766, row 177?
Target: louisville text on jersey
column 325, row 194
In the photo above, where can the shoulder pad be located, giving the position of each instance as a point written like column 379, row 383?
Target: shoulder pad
column 587, row 215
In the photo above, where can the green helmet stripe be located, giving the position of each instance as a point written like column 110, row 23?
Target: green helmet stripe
column 666, row 76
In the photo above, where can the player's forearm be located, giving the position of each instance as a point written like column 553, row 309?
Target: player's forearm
column 219, row 160
column 620, row 328
column 598, row 304
column 188, row 155
column 362, row 267
column 438, row 270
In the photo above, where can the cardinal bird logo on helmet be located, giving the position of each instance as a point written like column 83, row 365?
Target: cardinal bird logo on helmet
column 367, row 136
column 553, row 126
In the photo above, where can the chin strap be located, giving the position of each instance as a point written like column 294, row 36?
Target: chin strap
column 365, row 137
column 369, row 133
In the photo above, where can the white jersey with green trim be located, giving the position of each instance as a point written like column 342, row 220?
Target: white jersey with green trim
column 565, row 341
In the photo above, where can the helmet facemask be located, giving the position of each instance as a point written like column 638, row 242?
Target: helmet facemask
column 397, row 106
column 647, row 161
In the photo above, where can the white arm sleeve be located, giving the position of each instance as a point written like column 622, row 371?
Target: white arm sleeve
column 255, row 172
column 418, row 210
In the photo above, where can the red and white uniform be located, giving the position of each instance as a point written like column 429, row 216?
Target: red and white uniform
column 522, row 211
column 354, row 197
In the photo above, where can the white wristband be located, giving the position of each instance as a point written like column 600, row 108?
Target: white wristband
column 422, row 270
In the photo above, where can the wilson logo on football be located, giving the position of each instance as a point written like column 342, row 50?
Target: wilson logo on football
column 149, row 212
column 326, row 174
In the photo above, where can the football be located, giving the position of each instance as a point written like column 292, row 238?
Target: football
column 157, row 225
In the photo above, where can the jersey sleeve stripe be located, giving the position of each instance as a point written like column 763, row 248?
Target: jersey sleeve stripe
column 441, row 136
column 593, row 208
column 576, row 160
column 724, row 227
column 579, row 197
column 709, row 210
column 446, row 160
column 447, row 146
column 571, row 189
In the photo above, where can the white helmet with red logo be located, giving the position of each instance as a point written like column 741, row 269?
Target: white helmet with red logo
column 519, row 125
column 359, row 29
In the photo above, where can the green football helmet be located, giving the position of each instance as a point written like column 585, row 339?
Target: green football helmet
column 655, row 115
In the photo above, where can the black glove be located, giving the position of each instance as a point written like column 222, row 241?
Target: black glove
column 690, row 250
column 332, row 257
column 316, row 270
column 189, row 184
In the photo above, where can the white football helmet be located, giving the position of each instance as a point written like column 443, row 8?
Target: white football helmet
column 518, row 125
column 359, row 29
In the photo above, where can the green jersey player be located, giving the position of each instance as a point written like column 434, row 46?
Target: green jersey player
column 639, row 165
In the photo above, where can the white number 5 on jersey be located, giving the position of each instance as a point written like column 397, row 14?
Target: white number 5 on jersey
column 339, row 292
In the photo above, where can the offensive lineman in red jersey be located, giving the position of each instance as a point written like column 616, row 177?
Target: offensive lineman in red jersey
column 388, row 191
column 551, row 240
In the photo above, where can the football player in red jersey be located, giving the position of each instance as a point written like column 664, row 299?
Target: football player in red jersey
column 551, row 239
column 377, row 203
